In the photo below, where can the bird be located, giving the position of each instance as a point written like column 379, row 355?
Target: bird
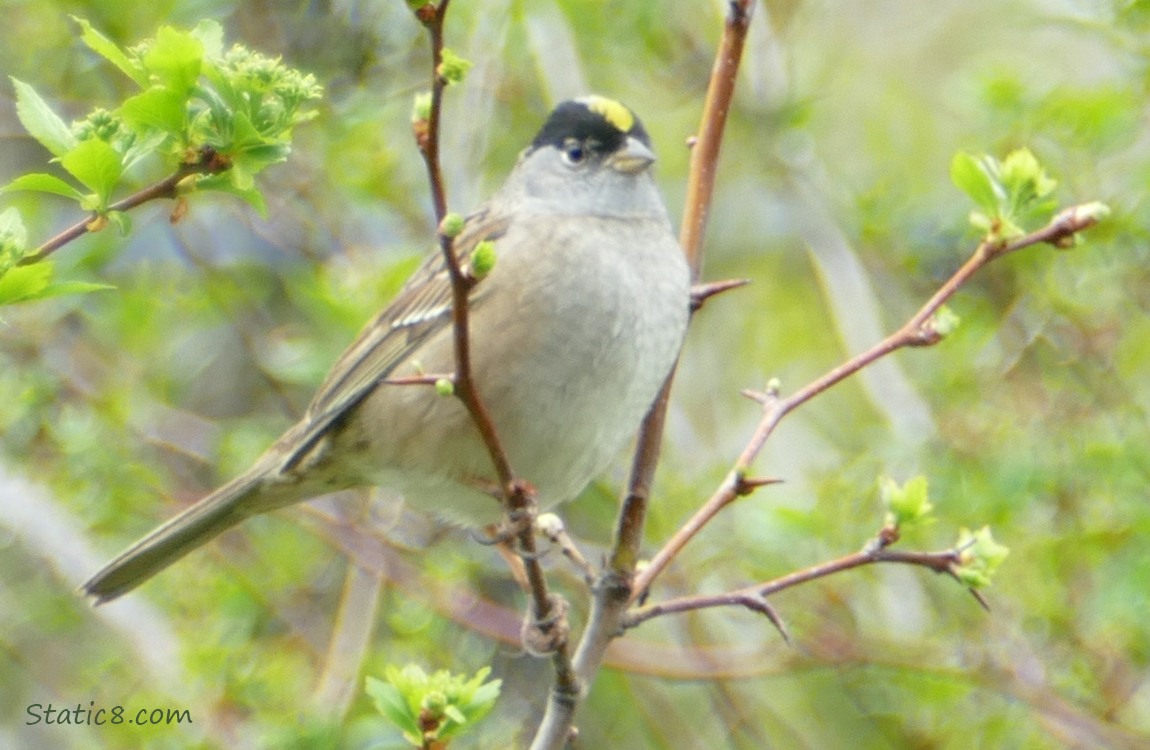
column 573, row 332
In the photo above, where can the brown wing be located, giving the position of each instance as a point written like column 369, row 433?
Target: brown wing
column 420, row 310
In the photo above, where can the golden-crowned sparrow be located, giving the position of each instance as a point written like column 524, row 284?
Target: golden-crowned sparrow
column 573, row 331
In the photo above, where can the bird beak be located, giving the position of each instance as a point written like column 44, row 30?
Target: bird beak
column 633, row 158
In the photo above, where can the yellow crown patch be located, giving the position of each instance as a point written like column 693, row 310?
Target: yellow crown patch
column 612, row 111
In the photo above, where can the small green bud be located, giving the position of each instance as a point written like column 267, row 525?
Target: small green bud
column 1094, row 210
column 451, row 226
column 483, row 259
column 453, row 68
column 434, row 703
column 421, row 107
column 445, row 387
column 1088, row 213
column 944, row 321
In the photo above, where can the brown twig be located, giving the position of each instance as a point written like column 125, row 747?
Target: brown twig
column 705, row 151
column 918, row 331
column 206, row 161
column 519, row 497
column 432, row 16
column 700, row 189
column 754, row 597
column 614, row 589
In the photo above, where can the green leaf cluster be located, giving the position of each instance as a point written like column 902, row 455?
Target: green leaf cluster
column 905, row 503
column 453, row 68
column 193, row 95
column 1008, row 193
column 219, row 117
column 435, row 707
column 981, row 557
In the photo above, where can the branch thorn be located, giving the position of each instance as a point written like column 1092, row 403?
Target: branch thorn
column 700, row 293
column 745, row 485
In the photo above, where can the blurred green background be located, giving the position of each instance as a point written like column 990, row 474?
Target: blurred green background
column 833, row 196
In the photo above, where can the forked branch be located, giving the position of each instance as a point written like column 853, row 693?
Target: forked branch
column 919, row 330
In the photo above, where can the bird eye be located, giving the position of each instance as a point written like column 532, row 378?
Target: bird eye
column 573, row 152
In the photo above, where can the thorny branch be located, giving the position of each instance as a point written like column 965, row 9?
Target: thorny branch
column 755, row 597
column 548, row 612
column 918, row 331
column 614, row 589
column 620, row 585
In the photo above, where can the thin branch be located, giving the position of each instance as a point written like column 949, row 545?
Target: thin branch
column 548, row 612
column 432, row 16
column 705, row 151
column 700, row 190
column 207, row 161
column 748, row 598
column 614, row 589
column 755, row 596
column 918, row 331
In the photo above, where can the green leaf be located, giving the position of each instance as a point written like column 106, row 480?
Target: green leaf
column 390, row 703
column 906, row 503
column 96, row 165
column 12, row 227
column 970, row 175
column 121, row 220
column 41, row 122
column 211, row 36
column 245, row 137
column 111, row 52
column 42, row 183
column 175, row 58
column 158, row 108
column 486, row 694
column 143, row 147
column 222, row 183
column 453, row 68
column 1021, row 173
column 32, row 282
column 13, row 238
column 72, row 287
column 980, row 556
column 24, row 282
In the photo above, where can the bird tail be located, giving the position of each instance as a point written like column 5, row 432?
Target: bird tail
column 166, row 544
